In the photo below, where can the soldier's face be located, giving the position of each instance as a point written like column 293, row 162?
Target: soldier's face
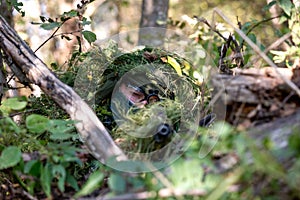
column 133, row 95
column 140, row 97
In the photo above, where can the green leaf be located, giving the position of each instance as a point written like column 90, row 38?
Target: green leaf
column 294, row 141
column 117, row 183
column 286, row 6
column 61, row 136
column 15, row 103
column 72, row 181
column 59, row 172
column 89, row 36
column 85, row 21
column 252, row 37
column 8, row 125
column 17, row 5
column 5, row 110
column 59, row 129
column 137, row 183
column 267, row 7
column 92, row 183
column 37, row 123
column 49, row 26
column 246, row 27
column 10, row 157
column 33, row 167
column 46, row 179
column 71, row 13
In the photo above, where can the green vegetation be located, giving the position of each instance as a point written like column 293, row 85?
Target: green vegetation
column 45, row 157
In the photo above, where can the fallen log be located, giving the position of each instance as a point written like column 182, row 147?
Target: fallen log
column 23, row 59
column 255, row 96
column 261, row 104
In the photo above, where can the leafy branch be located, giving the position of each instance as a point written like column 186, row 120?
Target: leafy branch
column 16, row 5
column 50, row 24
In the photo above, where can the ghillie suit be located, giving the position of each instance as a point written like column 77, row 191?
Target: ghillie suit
column 145, row 98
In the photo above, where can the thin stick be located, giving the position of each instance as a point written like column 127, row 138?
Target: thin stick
column 49, row 38
column 160, row 176
column 272, row 46
column 259, row 52
column 278, row 42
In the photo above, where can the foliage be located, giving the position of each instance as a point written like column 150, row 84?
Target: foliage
column 10, row 157
column 290, row 56
column 16, row 5
column 48, row 24
column 211, row 35
column 54, row 142
column 91, row 184
column 12, row 104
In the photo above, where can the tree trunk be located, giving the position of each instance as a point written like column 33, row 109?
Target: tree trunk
column 154, row 14
column 2, row 78
column 88, row 125
column 6, row 12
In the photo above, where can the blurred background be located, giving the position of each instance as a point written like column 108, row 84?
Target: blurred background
column 114, row 16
